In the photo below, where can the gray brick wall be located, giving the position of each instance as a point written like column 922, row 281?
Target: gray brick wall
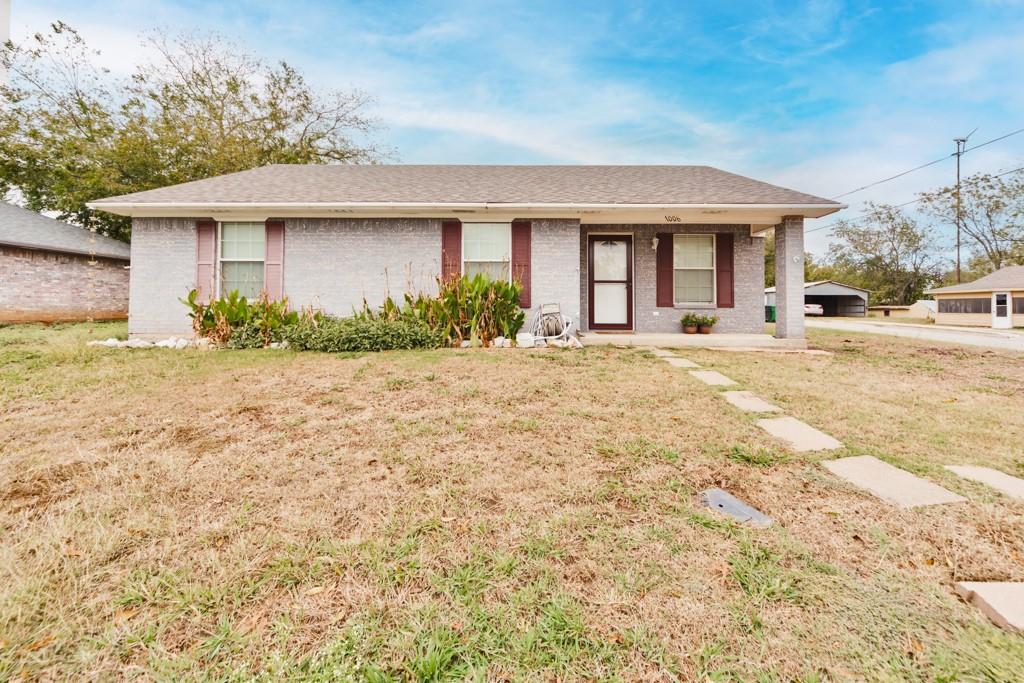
column 333, row 263
column 789, row 278
column 746, row 317
column 163, row 270
column 554, row 246
column 45, row 286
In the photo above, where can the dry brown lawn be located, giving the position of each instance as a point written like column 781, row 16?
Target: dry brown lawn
column 493, row 515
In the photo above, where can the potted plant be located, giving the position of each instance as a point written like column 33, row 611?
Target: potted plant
column 690, row 321
column 706, row 322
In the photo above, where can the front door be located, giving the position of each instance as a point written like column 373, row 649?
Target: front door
column 610, row 269
column 1001, row 310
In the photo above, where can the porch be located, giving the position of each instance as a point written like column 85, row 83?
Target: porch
column 724, row 340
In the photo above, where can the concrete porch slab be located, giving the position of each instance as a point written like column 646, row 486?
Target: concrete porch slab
column 799, row 435
column 1000, row 601
column 891, row 484
column 680, row 340
column 712, row 378
column 750, row 402
column 1011, row 486
column 681, row 362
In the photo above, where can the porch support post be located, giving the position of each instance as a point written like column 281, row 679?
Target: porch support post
column 789, row 278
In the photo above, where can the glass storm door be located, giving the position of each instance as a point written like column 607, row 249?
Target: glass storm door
column 611, row 282
column 1001, row 310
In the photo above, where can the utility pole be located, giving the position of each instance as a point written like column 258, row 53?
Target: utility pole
column 960, row 144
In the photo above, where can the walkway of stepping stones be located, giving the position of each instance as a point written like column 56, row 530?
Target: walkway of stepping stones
column 1002, row 602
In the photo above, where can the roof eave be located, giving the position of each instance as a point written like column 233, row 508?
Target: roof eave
column 763, row 214
column 65, row 250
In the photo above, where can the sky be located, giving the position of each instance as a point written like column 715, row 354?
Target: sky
column 822, row 96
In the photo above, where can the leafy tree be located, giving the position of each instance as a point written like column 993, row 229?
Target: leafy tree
column 71, row 133
column 813, row 269
column 887, row 252
column 992, row 215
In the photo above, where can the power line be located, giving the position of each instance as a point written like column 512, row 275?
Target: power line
column 930, row 163
column 897, row 206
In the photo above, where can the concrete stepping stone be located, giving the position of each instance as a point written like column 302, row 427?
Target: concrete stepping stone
column 728, row 504
column 750, row 402
column 799, row 435
column 1011, row 486
column 662, row 353
column 891, row 484
column 680, row 362
column 712, row 377
column 1000, row 601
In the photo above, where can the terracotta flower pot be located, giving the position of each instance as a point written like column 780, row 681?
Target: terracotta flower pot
column 690, row 329
column 705, row 329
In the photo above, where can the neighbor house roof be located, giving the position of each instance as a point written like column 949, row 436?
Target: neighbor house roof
column 354, row 188
column 815, row 283
column 24, row 228
column 1008, row 278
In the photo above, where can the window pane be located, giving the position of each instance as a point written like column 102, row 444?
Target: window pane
column 610, row 260
column 486, row 241
column 242, row 240
column 694, row 251
column 611, row 303
column 694, row 286
column 246, row 277
column 495, row 271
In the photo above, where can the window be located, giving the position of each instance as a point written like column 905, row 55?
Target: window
column 1018, row 304
column 971, row 305
column 486, row 248
column 693, row 261
column 241, row 258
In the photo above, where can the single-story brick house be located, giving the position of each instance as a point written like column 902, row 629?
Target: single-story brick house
column 626, row 248
column 52, row 271
column 995, row 300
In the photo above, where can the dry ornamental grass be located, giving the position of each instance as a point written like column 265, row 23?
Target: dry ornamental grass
column 493, row 515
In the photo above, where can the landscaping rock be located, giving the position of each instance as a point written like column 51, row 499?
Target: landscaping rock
column 1000, row 601
column 728, row 504
column 1011, row 486
column 712, row 377
column 524, row 340
column 575, row 343
column 139, row 344
column 499, row 342
column 891, row 484
column 799, row 435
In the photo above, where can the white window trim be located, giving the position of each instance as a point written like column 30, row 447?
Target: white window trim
column 462, row 248
column 714, row 271
column 220, row 258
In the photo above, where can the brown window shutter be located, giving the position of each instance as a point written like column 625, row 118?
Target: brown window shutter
column 521, row 270
column 206, row 258
column 451, row 249
column 273, row 261
column 665, row 278
column 725, row 282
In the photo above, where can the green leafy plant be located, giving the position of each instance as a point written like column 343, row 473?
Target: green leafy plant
column 316, row 332
column 690, row 320
column 706, row 320
column 234, row 321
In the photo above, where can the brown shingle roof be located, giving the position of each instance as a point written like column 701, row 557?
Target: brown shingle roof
column 1008, row 278
column 475, row 184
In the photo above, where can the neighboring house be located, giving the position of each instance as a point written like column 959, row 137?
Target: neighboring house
column 922, row 309
column 618, row 247
column 836, row 299
column 52, row 271
column 995, row 300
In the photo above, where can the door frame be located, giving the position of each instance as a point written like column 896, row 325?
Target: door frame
column 628, row 239
column 1005, row 323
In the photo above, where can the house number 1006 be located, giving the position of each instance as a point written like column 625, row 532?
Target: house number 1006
column 672, row 219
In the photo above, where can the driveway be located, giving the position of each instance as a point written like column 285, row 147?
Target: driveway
column 965, row 336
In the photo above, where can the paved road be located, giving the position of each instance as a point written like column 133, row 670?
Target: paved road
column 992, row 339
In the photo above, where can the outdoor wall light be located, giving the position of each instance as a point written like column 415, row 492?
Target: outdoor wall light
column 654, row 243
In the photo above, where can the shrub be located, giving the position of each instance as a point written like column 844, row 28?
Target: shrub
column 234, row 321
column 334, row 335
column 690, row 320
column 707, row 320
